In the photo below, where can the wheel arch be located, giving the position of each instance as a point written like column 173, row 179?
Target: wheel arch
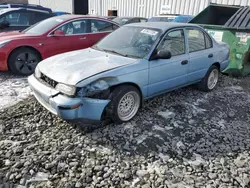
column 217, row 64
column 131, row 84
column 20, row 47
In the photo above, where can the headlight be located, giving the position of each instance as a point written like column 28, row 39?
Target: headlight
column 3, row 43
column 38, row 73
column 66, row 89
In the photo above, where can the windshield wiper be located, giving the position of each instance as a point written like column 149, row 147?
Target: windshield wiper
column 115, row 52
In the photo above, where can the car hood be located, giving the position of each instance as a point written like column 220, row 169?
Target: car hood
column 73, row 67
column 14, row 35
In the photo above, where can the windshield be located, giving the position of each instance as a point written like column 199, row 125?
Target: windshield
column 120, row 21
column 44, row 26
column 135, row 42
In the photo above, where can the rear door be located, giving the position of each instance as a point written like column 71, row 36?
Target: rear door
column 200, row 53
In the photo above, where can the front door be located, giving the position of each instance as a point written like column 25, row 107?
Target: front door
column 166, row 74
column 76, row 37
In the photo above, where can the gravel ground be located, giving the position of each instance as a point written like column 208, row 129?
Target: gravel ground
column 186, row 138
column 13, row 89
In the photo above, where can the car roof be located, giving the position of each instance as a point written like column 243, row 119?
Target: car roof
column 23, row 8
column 129, row 17
column 161, row 25
column 27, row 6
column 69, row 17
column 72, row 16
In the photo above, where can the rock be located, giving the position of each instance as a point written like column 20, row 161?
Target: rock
column 22, row 181
column 49, row 166
column 78, row 184
column 12, row 176
column 212, row 176
column 240, row 161
column 73, row 164
column 231, row 114
column 141, row 173
column 18, row 176
column 7, row 162
column 18, row 165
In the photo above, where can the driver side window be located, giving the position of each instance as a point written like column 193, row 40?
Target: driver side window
column 174, row 41
column 74, row 27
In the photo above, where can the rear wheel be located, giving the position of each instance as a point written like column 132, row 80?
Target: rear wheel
column 209, row 82
column 125, row 103
column 23, row 61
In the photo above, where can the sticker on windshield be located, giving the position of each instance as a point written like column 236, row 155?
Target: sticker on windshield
column 59, row 20
column 149, row 32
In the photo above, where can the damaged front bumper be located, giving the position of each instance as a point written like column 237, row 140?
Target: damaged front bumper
column 66, row 107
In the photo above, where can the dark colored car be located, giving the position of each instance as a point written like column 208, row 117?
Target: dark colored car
column 59, row 13
column 13, row 19
column 20, row 52
column 110, row 17
column 31, row 6
column 128, row 20
column 171, row 18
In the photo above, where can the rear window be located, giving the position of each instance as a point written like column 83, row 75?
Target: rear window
column 120, row 21
column 161, row 19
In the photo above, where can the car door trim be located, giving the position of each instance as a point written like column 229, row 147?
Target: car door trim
column 50, row 33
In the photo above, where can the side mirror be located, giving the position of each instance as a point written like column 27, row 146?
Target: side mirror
column 4, row 24
column 59, row 33
column 162, row 55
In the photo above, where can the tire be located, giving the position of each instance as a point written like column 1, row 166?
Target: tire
column 207, row 84
column 23, row 61
column 122, row 99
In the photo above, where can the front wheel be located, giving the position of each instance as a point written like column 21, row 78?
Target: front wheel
column 209, row 82
column 125, row 103
column 23, row 61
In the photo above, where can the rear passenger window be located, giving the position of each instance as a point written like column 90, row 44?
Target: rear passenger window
column 196, row 40
column 101, row 26
column 143, row 20
column 208, row 42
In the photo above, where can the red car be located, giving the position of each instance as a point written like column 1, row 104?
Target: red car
column 21, row 51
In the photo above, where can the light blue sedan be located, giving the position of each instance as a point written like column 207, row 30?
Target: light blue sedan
column 134, row 63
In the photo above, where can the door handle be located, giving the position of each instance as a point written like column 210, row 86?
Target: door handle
column 184, row 62
column 83, row 38
column 210, row 55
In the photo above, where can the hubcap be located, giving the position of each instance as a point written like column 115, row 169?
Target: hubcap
column 213, row 79
column 26, row 62
column 128, row 106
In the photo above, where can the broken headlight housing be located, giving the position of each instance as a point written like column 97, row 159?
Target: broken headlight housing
column 66, row 89
column 98, row 90
column 38, row 73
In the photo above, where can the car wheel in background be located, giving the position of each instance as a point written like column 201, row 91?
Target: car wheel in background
column 125, row 103
column 23, row 61
column 209, row 82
